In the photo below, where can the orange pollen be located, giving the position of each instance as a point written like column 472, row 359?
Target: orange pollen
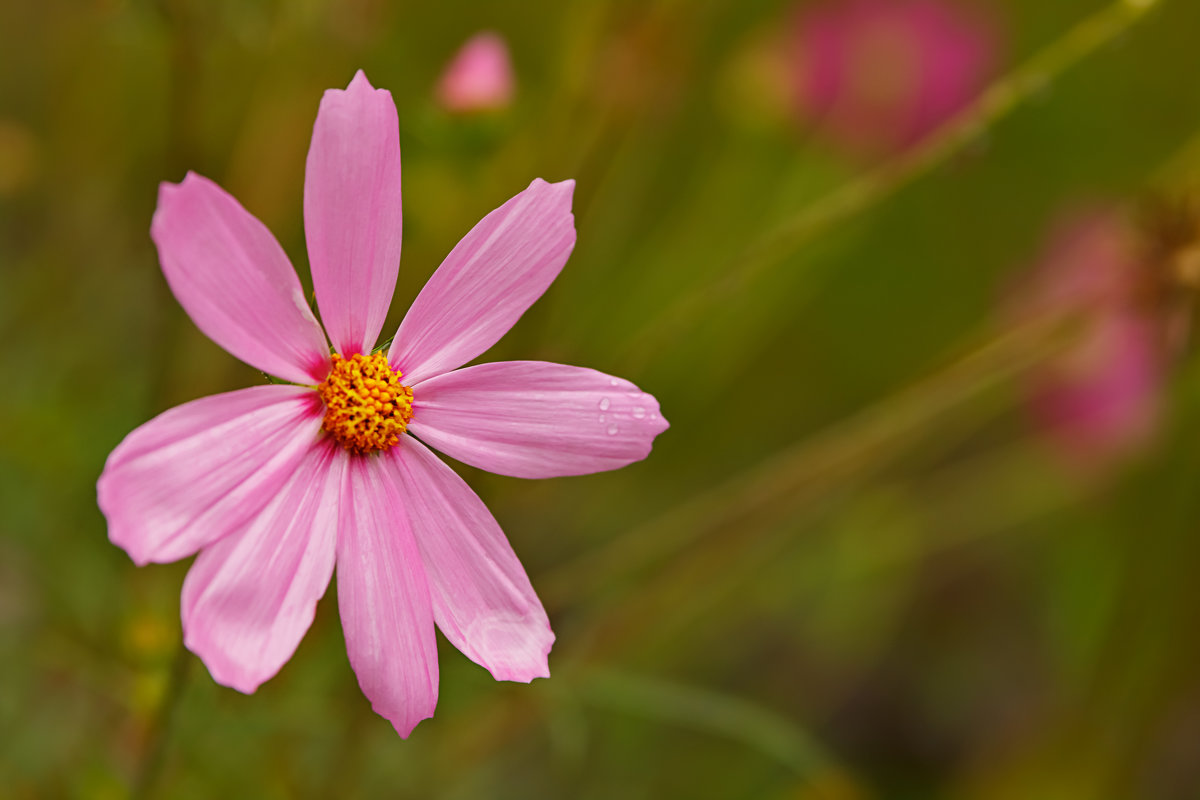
column 366, row 407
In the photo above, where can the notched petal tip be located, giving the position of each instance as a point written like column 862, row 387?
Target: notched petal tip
column 511, row 648
column 224, row 673
column 129, row 544
column 190, row 178
column 359, row 84
column 559, row 200
column 403, row 727
column 524, row 667
column 116, row 510
column 659, row 424
column 563, row 189
column 168, row 194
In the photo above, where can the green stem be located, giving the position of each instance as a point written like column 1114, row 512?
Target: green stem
column 154, row 754
column 847, row 451
column 758, row 728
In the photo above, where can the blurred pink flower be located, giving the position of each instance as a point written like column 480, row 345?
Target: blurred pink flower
column 479, row 77
column 1101, row 399
column 878, row 75
column 274, row 484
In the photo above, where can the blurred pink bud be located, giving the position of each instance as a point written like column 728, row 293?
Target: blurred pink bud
column 479, row 77
column 877, row 75
column 1100, row 400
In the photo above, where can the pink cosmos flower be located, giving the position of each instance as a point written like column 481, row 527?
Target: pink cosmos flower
column 479, row 77
column 275, row 484
column 880, row 74
column 1101, row 399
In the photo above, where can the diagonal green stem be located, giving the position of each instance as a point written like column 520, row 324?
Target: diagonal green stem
column 154, row 755
column 848, row 450
column 759, row 728
column 858, row 195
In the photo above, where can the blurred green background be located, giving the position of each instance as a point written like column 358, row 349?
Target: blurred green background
column 852, row 568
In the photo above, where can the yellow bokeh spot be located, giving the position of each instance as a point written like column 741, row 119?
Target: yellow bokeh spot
column 366, row 407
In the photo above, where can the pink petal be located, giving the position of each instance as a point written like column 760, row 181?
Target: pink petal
column 877, row 75
column 1101, row 400
column 352, row 216
column 482, row 599
column 384, row 598
column 249, row 598
column 533, row 419
column 233, row 279
column 202, row 470
column 484, row 286
column 480, row 76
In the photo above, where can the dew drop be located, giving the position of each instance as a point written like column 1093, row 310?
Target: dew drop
column 604, row 403
column 613, row 430
column 602, row 418
column 639, row 413
column 614, row 381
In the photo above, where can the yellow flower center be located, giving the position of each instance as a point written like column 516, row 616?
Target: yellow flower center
column 366, row 407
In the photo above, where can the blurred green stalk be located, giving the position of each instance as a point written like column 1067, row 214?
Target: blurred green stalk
column 812, row 467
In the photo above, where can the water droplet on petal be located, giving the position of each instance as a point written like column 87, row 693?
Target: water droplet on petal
column 604, row 403
column 602, row 418
column 614, row 382
column 639, row 413
column 613, row 430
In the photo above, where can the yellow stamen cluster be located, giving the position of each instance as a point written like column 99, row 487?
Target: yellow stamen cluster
column 366, row 407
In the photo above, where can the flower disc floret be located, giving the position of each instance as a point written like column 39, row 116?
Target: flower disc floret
column 366, row 406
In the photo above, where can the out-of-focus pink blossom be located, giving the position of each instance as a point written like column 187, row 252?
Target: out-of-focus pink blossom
column 877, row 75
column 479, row 77
column 1100, row 400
